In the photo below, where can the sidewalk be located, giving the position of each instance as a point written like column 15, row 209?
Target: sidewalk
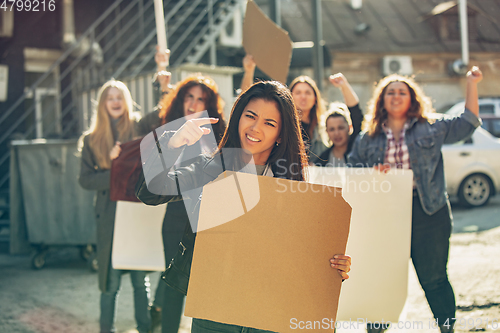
column 63, row 297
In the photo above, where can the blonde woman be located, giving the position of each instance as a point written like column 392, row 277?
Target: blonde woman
column 114, row 123
column 311, row 107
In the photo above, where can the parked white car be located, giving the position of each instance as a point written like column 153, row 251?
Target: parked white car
column 472, row 168
column 488, row 106
column 489, row 111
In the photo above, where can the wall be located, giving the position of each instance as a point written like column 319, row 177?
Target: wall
column 431, row 71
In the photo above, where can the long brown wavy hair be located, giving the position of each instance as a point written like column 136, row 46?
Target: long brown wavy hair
column 100, row 134
column 172, row 105
column 288, row 159
column 420, row 108
column 319, row 106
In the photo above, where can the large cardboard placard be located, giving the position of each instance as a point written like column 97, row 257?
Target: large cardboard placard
column 269, row 267
column 379, row 240
column 269, row 44
column 137, row 240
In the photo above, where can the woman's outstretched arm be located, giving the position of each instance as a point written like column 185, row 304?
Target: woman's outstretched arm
column 350, row 97
column 474, row 76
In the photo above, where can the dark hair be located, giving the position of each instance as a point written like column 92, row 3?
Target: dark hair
column 290, row 153
column 172, row 105
column 336, row 114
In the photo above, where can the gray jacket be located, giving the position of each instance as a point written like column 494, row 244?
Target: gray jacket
column 424, row 141
column 92, row 177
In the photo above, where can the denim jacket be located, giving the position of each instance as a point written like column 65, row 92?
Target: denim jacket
column 424, row 141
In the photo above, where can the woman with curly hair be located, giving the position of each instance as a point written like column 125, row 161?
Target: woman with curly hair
column 194, row 94
column 186, row 101
column 401, row 132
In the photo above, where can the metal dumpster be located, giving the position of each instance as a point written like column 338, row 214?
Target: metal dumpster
column 48, row 206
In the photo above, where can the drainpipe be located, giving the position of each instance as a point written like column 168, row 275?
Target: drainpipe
column 318, row 61
column 459, row 66
column 275, row 11
column 464, row 31
column 68, row 23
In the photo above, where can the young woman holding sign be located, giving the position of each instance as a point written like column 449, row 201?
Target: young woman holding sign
column 400, row 133
column 185, row 100
column 264, row 123
column 114, row 123
column 310, row 106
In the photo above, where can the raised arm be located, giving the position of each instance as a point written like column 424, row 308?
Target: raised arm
column 461, row 127
column 474, row 76
column 350, row 97
column 248, row 76
column 356, row 119
column 161, row 59
column 162, row 76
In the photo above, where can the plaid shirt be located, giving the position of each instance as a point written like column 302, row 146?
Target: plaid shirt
column 396, row 152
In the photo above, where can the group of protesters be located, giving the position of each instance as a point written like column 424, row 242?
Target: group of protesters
column 272, row 122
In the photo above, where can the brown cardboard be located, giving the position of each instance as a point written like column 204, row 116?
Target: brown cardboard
column 271, row 264
column 269, row 44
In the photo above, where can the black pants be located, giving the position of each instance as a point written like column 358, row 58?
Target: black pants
column 430, row 244
column 171, row 311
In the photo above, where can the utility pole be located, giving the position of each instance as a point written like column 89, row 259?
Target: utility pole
column 275, row 11
column 318, row 61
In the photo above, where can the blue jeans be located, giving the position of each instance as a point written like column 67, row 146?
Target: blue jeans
column 140, row 283
column 430, row 243
column 207, row 326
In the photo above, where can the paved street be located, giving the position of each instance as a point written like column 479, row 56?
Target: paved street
column 484, row 218
column 63, row 296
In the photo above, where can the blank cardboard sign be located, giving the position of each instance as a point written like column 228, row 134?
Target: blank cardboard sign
column 240, row 199
column 270, row 265
column 269, row 44
column 137, row 242
column 379, row 240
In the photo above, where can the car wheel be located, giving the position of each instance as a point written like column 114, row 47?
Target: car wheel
column 475, row 190
column 38, row 260
column 92, row 262
column 86, row 251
